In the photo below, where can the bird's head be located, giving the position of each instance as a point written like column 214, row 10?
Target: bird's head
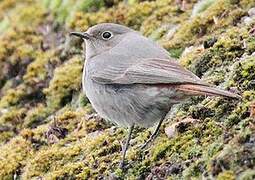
column 102, row 37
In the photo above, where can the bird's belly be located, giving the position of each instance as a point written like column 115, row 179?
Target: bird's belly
column 130, row 104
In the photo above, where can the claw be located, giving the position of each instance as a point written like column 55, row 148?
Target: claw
column 143, row 146
column 153, row 136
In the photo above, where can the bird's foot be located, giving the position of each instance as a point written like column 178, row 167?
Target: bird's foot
column 122, row 164
column 125, row 147
column 143, row 146
column 153, row 136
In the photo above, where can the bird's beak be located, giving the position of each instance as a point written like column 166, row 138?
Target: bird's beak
column 82, row 35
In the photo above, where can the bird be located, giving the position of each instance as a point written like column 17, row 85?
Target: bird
column 131, row 80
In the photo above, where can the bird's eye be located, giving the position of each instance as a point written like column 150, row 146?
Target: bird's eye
column 106, row 35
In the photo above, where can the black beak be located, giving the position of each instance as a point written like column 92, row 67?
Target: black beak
column 82, row 35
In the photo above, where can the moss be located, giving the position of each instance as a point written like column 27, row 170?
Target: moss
column 66, row 80
column 13, row 156
column 233, row 155
column 43, row 161
column 36, row 116
column 64, row 11
column 176, row 53
column 208, row 21
column 166, row 15
column 4, row 24
column 12, row 96
column 13, row 116
column 131, row 16
column 17, row 50
column 226, row 175
column 31, row 15
column 201, row 6
column 66, row 159
column 11, row 122
column 195, row 170
column 243, row 74
column 40, row 88
column 247, row 175
column 37, row 71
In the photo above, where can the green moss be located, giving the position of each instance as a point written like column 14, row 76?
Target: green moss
column 130, row 16
column 36, row 116
column 176, row 53
column 40, row 88
column 37, row 70
column 226, row 175
column 248, row 175
column 205, row 23
column 64, row 11
column 29, row 15
column 65, row 160
column 13, row 155
column 11, row 121
column 195, row 170
column 66, row 80
column 4, row 24
column 17, row 49
column 12, row 96
column 243, row 74
column 44, row 160
column 201, row 6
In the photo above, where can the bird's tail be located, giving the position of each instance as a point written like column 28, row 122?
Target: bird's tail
column 206, row 90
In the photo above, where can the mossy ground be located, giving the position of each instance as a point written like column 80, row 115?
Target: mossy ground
column 41, row 97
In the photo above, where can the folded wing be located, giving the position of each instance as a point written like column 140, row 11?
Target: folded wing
column 158, row 72
column 147, row 71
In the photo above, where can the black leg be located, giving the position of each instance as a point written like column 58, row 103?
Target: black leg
column 125, row 147
column 154, row 134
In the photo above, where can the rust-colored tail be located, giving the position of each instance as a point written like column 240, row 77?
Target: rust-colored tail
column 206, row 90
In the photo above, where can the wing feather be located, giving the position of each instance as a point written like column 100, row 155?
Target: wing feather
column 146, row 71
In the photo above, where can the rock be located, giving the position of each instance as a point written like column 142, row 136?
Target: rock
column 94, row 134
column 252, row 31
column 55, row 133
column 190, row 49
column 251, row 12
column 248, row 20
column 181, row 126
column 3, row 111
column 252, row 110
column 201, row 6
column 209, row 43
column 163, row 171
column 158, row 33
column 170, row 131
column 182, row 4
column 171, row 32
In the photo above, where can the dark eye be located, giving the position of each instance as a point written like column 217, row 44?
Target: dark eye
column 106, row 35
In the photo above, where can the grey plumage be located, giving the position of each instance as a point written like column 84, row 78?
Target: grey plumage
column 130, row 80
column 115, row 99
column 124, row 76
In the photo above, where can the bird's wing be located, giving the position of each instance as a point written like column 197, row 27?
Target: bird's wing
column 149, row 71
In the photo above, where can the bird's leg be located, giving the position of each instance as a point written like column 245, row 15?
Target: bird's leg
column 125, row 147
column 153, row 136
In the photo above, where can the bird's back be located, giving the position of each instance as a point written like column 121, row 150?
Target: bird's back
column 136, row 45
